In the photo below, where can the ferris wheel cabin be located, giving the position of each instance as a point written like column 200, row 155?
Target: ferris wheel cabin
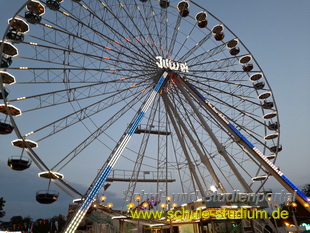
column 47, row 196
column 19, row 164
column 5, row 128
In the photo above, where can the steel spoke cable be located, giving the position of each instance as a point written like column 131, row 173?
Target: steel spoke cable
column 95, row 57
column 82, row 113
column 207, row 54
column 248, row 130
column 194, row 132
column 140, row 156
column 230, row 82
column 94, row 135
column 119, row 35
column 138, row 30
column 110, row 41
column 233, row 58
column 153, row 16
column 70, row 98
column 81, row 87
column 70, row 95
column 209, row 87
column 148, row 29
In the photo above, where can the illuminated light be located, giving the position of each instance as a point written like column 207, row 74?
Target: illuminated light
column 138, row 8
column 306, row 205
column 21, row 98
column 127, row 39
column 184, row 204
column 78, row 200
column 117, row 42
column 65, row 13
column 113, row 69
column 107, row 48
column 133, row 86
column 168, row 199
column 143, row 90
column 85, row 7
column 174, row 204
column 103, row 4
column 103, row 198
column 49, row 26
column 121, row 4
column 213, row 188
column 137, row 198
column 33, row 43
column 294, row 204
column 163, row 205
column 145, row 205
column 146, row 41
column 28, row 134
column 106, row 58
column 122, row 79
column 110, row 205
column 158, row 224
column 131, row 205
column 137, row 39
column 23, row 68
column 116, row 217
column 201, row 208
column 155, row 44
column 50, row 175
column 153, row 13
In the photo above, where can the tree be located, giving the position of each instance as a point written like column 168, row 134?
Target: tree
column 17, row 220
column 2, row 204
column 306, row 190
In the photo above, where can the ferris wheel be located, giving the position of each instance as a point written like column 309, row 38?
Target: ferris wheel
column 145, row 87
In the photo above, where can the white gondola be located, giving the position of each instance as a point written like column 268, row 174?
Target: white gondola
column 24, row 143
column 232, row 44
column 264, row 95
column 9, row 49
column 7, row 78
column 256, row 77
column 271, row 136
column 269, row 115
column 51, row 175
column 12, row 109
column 245, row 59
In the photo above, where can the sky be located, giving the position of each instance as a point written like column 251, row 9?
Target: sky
column 277, row 33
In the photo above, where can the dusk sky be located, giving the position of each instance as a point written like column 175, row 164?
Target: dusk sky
column 276, row 32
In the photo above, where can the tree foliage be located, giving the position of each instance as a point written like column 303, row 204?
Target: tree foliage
column 306, row 190
column 2, row 204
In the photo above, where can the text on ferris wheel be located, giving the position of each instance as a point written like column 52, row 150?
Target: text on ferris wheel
column 167, row 63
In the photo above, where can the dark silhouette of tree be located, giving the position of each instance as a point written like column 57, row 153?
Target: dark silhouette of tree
column 2, row 204
column 306, row 190
column 16, row 219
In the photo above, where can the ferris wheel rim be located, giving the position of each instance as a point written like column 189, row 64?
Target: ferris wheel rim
column 260, row 70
